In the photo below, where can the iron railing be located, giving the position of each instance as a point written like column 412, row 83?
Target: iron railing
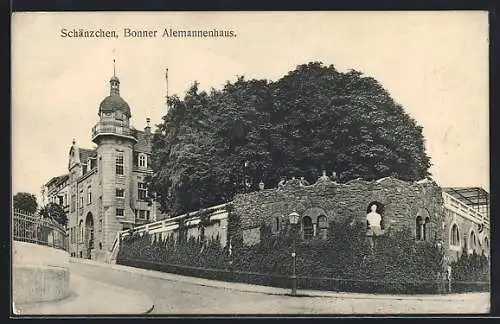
column 38, row 230
column 109, row 127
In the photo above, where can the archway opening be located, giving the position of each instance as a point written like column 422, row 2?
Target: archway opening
column 89, row 233
column 307, row 226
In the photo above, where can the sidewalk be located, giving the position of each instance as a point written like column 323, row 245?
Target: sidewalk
column 281, row 291
column 89, row 297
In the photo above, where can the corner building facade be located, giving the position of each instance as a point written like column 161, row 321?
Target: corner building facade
column 105, row 191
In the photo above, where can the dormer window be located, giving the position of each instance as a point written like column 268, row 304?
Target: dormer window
column 118, row 115
column 143, row 160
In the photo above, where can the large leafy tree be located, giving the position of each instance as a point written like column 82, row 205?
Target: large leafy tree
column 26, row 202
column 313, row 118
column 55, row 212
column 346, row 123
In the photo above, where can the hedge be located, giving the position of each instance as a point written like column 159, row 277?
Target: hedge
column 342, row 262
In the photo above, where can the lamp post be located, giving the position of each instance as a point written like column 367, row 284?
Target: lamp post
column 294, row 220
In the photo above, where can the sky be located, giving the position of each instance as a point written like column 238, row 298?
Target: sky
column 435, row 64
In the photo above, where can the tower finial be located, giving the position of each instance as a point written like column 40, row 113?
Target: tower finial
column 114, row 82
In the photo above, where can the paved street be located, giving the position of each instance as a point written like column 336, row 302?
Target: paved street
column 183, row 297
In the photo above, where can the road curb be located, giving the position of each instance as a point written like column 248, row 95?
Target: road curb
column 267, row 290
column 91, row 297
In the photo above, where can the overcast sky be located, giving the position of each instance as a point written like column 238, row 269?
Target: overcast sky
column 434, row 64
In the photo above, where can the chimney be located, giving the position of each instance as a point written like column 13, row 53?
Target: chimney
column 147, row 129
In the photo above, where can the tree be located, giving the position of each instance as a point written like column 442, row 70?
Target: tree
column 313, row 118
column 26, row 202
column 56, row 212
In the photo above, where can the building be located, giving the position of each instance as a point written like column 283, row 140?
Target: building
column 104, row 190
column 430, row 212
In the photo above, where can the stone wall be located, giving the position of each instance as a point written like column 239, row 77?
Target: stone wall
column 402, row 202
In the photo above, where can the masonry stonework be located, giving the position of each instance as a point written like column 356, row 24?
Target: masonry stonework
column 402, row 203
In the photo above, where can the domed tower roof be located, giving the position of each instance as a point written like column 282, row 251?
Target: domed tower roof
column 114, row 102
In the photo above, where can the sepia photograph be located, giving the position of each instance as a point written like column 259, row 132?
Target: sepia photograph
column 250, row 163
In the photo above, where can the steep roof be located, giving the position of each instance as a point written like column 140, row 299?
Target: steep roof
column 86, row 153
column 57, row 179
column 144, row 142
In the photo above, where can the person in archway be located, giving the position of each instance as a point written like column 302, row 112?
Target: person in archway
column 374, row 220
column 374, row 224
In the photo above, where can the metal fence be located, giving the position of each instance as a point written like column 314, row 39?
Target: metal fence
column 315, row 283
column 38, row 230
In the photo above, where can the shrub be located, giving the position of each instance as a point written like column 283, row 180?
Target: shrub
column 395, row 263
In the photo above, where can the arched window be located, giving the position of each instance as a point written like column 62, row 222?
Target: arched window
column 276, row 225
column 454, row 236
column 427, row 224
column 322, row 226
column 473, row 240
column 486, row 245
column 419, row 228
column 307, row 227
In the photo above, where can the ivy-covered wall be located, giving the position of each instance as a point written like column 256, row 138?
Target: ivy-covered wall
column 401, row 201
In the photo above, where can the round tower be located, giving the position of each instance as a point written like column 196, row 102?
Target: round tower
column 115, row 140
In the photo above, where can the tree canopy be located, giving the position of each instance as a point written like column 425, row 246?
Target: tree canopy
column 313, row 118
column 56, row 212
column 26, row 202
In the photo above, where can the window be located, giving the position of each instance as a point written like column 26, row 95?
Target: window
column 419, row 228
column 147, row 214
column 143, row 161
column 100, row 225
column 118, row 115
column 307, row 226
column 454, row 236
column 322, row 226
column 89, row 195
column 119, row 163
column 80, row 231
column 119, row 212
column 81, row 199
column 73, row 203
column 276, row 225
column 142, row 191
column 120, row 193
column 473, row 240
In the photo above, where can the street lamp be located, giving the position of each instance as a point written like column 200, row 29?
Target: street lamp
column 294, row 220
